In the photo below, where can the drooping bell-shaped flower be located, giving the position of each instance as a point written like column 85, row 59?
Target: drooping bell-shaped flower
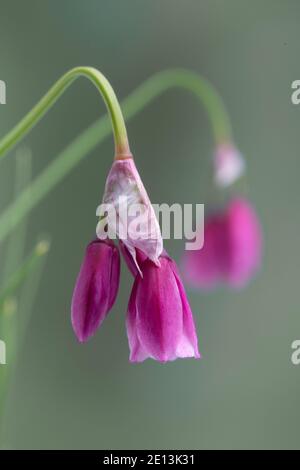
column 229, row 164
column 160, row 323
column 96, row 287
column 133, row 219
column 232, row 248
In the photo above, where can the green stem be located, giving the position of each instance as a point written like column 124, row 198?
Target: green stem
column 97, row 132
column 189, row 81
column 104, row 87
column 23, row 271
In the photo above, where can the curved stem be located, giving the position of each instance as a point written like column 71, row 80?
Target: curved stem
column 23, row 271
column 101, row 83
column 83, row 144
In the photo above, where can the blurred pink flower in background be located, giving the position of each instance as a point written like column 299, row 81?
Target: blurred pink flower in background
column 232, row 248
column 229, row 164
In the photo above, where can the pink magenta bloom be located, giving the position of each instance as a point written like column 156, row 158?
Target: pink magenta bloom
column 159, row 320
column 229, row 164
column 160, row 324
column 96, row 287
column 232, row 248
column 133, row 220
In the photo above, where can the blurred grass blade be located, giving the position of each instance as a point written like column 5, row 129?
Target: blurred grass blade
column 16, row 244
column 13, row 326
column 24, row 271
column 28, row 296
column 9, row 322
column 8, row 328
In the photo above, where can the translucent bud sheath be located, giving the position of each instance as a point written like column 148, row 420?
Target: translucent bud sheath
column 229, row 164
column 129, row 213
column 102, row 84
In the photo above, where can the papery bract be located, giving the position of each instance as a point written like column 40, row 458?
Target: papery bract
column 232, row 248
column 132, row 264
column 96, row 287
column 160, row 324
column 136, row 224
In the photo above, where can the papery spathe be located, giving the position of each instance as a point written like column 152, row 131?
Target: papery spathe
column 134, row 220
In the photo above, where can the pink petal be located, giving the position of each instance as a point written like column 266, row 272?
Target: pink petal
column 188, row 345
column 159, row 320
column 137, row 352
column 245, row 242
column 96, row 288
column 232, row 248
column 202, row 268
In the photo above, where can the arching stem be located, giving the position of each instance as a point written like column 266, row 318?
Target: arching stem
column 102, row 84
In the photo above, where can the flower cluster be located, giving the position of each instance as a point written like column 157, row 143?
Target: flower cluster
column 159, row 323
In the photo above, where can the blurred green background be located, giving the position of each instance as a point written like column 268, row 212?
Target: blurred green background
column 245, row 391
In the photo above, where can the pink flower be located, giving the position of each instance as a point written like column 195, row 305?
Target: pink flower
column 159, row 319
column 232, row 248
column 96, row 287
column 229, row 164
